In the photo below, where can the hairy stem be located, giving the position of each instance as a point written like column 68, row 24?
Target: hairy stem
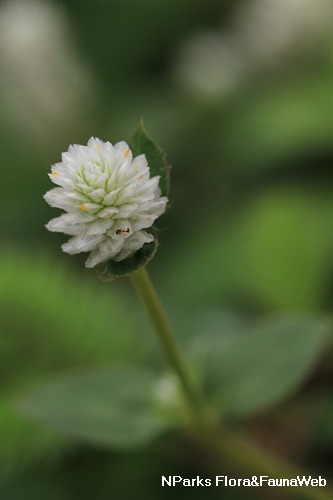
column 231, row 450
column 165, row 334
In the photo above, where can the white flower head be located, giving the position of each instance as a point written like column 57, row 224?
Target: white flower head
column 109, row 198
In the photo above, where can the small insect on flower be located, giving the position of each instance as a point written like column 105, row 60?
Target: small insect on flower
column 109, row 200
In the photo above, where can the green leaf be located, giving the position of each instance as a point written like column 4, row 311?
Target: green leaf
column 263, row 367
column 23, row 443
column 142, row 143
column 110, row 408
column 65, row 320
column 112, row 270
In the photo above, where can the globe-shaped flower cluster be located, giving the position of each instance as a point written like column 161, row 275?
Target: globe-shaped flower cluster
column 110, row 200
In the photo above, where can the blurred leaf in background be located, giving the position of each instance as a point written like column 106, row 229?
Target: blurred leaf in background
column 53, row 321
column 99, row 406
column 237, row 93
column 265, row 366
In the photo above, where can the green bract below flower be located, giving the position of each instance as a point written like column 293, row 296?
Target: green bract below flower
column 109, row 198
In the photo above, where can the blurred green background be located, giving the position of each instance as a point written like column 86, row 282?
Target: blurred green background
column 238, row 93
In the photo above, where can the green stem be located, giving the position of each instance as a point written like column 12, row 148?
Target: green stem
column 164, row 331
column 239, row 452
column 234, row 450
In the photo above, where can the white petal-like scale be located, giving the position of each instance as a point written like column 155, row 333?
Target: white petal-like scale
column 127, row 211
column 95, row 258
column 82, row 243
column 108, row 212
column 99, row 226
column 110, row 247
column 143, row 221
column 108, row 198
column 134, row 243
column 60, row 225
column 98, row 195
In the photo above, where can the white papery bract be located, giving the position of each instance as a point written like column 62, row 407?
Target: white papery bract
column 109, row 199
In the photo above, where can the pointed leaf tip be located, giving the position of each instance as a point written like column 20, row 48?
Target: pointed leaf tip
column 142, row 143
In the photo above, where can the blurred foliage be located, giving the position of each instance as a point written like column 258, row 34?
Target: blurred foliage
column 275, row 251
column 248, row 130
column 284, row 351
column 98, row 407
column 65, row 324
